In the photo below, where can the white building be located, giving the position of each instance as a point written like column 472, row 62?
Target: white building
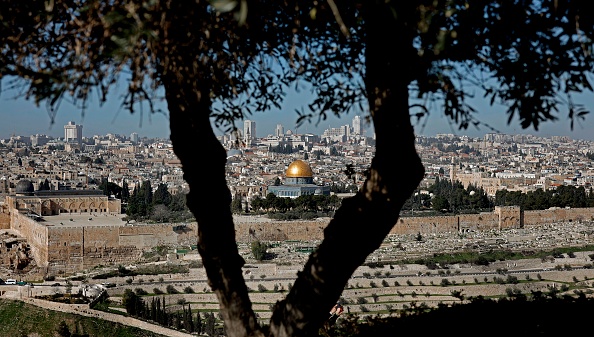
column 72, row 133
column 249, row 132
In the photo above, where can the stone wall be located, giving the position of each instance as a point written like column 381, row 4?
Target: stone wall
column 72, row 248
column 4, row 220
column 36, row 235
column 532, row 218
column 500, row 218
column 279, row 230
column 75, row 248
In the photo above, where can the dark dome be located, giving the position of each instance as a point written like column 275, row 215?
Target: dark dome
column 24, row 186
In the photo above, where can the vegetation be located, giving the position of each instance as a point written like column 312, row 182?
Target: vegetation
column 156, row 311
column 259, row 250
column 226, row 61
column 562, row 196
column 158, row 206
column 317, row 205
column 20, row 319
column 445, row 198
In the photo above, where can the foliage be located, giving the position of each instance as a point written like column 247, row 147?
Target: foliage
column 110, row 188
column 221, row 64
column 160, row 206
column 17, row 317
column 132, row 302
column 304, row 204
column 562, row 196
column 259, row 250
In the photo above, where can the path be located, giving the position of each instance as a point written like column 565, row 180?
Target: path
column 84, row 310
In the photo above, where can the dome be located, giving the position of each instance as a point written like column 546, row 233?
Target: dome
column 233, row 152
column 24, row 186
column 299, row 169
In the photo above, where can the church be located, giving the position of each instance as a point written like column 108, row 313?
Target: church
column 298, row 182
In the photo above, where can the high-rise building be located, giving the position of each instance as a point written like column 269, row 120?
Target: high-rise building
column 357, row 125
column 72, row 133
column 134, row 137
column 249, row 132
column 279, row 131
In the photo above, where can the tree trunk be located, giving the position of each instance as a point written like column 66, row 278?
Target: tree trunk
column 363, row 221
column 203, row 159
column 359, row 226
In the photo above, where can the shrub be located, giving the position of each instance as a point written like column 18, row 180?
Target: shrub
column 259, row 250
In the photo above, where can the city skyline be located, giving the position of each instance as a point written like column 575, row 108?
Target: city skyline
column 20, row 117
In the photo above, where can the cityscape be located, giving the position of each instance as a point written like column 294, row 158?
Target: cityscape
column 494, row 162
column 57, row 224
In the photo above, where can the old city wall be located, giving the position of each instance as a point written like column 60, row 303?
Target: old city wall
column 279, row 230
column 500, row 218
column 314, row 230
column 4, row 216
column 35, row 233
column 76, row 248
column 72, row 248
column 532, row 218
column 4, row 220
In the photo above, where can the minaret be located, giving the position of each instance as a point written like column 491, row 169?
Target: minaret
column 452, row 171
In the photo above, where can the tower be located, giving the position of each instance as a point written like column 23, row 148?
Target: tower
column 72, row 133
column 452, row 171
column 357, row 125
column 249, row 132
column 134, row 137
column 279, row 131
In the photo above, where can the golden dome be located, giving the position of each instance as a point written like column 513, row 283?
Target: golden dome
column 299, row 169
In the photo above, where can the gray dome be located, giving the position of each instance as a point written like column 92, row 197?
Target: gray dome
column 24, row 187
column 233, row 152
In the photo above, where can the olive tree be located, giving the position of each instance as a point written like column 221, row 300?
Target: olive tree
column 219, row 61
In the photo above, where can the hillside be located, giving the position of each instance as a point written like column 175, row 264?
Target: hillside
column 19, row 319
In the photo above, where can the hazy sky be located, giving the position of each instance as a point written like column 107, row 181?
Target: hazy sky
column 23, row 118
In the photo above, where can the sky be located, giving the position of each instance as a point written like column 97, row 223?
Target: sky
column 23, row 118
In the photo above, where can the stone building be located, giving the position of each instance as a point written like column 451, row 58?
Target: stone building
column 46, row 203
